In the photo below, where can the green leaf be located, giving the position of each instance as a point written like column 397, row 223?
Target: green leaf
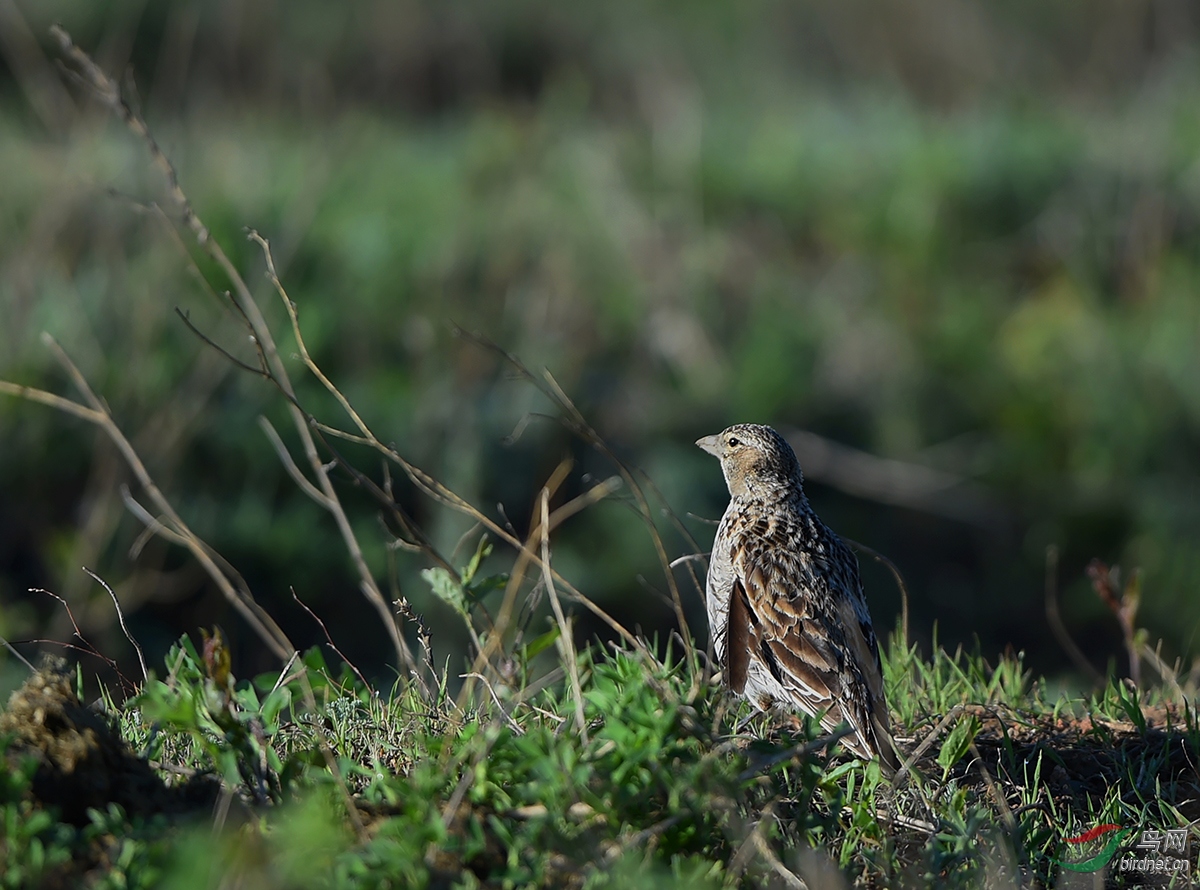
column 958, row 742
column 482, row 549
column 161, row 703
column 484, row 586
column 275, row 702
column 542, row 643
column 314, row 660
column 447, row 588
column 247, row 698
column 1131, row 706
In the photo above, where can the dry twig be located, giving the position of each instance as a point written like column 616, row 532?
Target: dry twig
column 97, row 412
column 121, row 618
column 1056, row 623
column 1123, row 603
column 565, row 634
column 107, row 92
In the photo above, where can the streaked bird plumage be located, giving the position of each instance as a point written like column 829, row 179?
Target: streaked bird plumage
column 789, row 622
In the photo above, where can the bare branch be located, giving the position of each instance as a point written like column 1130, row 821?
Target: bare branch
column 1123, row 603
column 86, row 646
column 121, row 618
column 575, row 421
column 1054, row 617
column 565, row 632
column 48, row 398
column 106, row 91
column 213, row 344
column 285, row 458
column 899, row 579
column 332, row 644
column 98, row 413
column 17, row 655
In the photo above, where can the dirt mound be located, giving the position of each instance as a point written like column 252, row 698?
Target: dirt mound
column 1083, row 757
column 82, row 761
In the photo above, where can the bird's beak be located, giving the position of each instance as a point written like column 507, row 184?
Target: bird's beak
column 711, row 444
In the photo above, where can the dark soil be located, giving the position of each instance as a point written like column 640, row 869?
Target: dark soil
column 83, row 762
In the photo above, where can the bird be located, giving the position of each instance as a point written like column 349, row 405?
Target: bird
column 786, row 609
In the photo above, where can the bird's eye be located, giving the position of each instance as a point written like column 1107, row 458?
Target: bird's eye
column 734, row 442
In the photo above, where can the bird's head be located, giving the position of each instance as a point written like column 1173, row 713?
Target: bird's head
column 758, row 463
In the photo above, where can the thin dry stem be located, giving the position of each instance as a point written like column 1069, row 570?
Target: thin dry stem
column 108, row 93
column 1010, row 823
column 97, row 412
column 526, row 556
column 405, row 610
column 565, row 634
column 332, row 502
column 1164, row 670
column 1124, row 605
column 899, row 579
column 121, row 618
column 516, row 578
column 593, row 437
column 508, row 718
column 926, row 743
column 285, row 458
column 1054, row 617
column 755, row 842
column 41, row 397
column 332, row 645
column 576, row 422
column 17, row 655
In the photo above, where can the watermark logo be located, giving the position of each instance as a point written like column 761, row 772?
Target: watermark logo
column 1101, row 859
column 1157, row 852
column 1162, row 853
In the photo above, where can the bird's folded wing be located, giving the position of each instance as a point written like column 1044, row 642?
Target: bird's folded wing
column 737, row 639
column 802, row 638
column 795, row 647
column 860, row 637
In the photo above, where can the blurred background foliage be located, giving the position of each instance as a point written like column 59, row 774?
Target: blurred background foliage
column 950, row 247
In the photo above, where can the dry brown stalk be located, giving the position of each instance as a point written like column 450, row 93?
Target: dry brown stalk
column 527, row 554
column 433, row 488
column 590, row 435
column 575, row 421
column 121, row 618
column 896, row 576
column 1123, row 603
column 516, row 578
column 168, row 523
column 96, row 412
column 108, row 93
column 1054, row 616
column 85, row 645
column 565, row 634
column 332, row 645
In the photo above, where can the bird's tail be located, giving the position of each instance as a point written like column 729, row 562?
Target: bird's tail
column 885, row 747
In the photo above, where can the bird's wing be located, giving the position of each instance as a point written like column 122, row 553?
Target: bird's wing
column 874, row 720
column 737, row 639
column 798, row 624
column 864, row 644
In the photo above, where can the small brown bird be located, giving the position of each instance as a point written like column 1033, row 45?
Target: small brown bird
column 785, row 604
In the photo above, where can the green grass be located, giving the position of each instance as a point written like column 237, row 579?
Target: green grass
column 655, row 791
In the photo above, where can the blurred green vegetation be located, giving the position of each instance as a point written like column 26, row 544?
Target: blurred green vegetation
column 959, row 236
